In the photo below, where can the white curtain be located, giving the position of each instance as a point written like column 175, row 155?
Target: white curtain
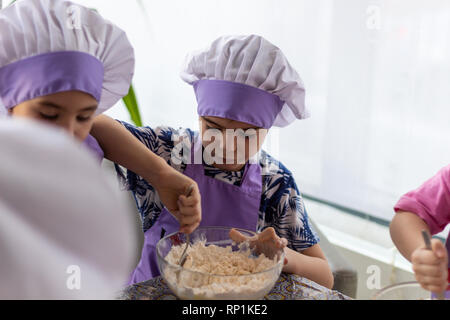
column 377, row 74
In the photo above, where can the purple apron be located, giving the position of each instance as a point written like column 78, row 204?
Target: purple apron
column 91, row 143
column 223, row 204
column 447, row 293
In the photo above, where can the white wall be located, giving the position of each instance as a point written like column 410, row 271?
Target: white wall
column 376, row 73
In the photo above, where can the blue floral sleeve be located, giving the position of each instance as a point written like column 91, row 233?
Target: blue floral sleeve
column 281, row 205
column 283, row 209
column 158, row 140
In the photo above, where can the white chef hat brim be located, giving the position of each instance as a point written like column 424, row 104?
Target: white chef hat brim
column 35, row 27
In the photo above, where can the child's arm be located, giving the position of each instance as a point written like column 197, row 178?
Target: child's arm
column 430, row 267
column 121, row 147
column 310, row 263
column 290, row 220
column 406, row 232
column 426, row 207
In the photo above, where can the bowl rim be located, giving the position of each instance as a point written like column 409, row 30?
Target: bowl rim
column 395, row 285
column 281, row 260
column 399, row 285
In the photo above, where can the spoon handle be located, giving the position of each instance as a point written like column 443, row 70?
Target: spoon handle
column 188, row 236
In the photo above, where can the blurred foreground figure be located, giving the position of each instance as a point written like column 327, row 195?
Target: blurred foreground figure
column 64, row 228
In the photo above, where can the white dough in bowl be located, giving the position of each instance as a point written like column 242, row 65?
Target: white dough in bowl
column 215, row 272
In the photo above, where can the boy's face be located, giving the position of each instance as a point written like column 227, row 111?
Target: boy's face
column 71, row 110
column 239, row 141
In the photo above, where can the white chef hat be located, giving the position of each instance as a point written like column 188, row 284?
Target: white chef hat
column 247, row 79
column 64, row 234
column 50, row 46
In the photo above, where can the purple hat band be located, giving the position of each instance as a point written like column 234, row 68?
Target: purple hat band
column 50, row 73
column 237, row 101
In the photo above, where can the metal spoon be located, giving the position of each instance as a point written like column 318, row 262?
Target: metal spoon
column 188, row 236
column 427, row 238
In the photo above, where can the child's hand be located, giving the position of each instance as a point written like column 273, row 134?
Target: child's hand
column 266, row 242
column 172, row 187
column 431, row 266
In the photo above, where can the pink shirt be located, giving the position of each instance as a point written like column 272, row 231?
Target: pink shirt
column 431, row 201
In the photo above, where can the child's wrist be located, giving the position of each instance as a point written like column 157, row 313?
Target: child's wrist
column 293, row 266
column 158, row 169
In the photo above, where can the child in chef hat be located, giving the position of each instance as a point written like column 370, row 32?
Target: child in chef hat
column 243, row 84
column 63, row 64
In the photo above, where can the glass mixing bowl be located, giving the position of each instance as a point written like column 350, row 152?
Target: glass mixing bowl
column 405, row 291
column 190, row 285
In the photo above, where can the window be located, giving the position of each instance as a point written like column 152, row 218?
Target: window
column 377, row 74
